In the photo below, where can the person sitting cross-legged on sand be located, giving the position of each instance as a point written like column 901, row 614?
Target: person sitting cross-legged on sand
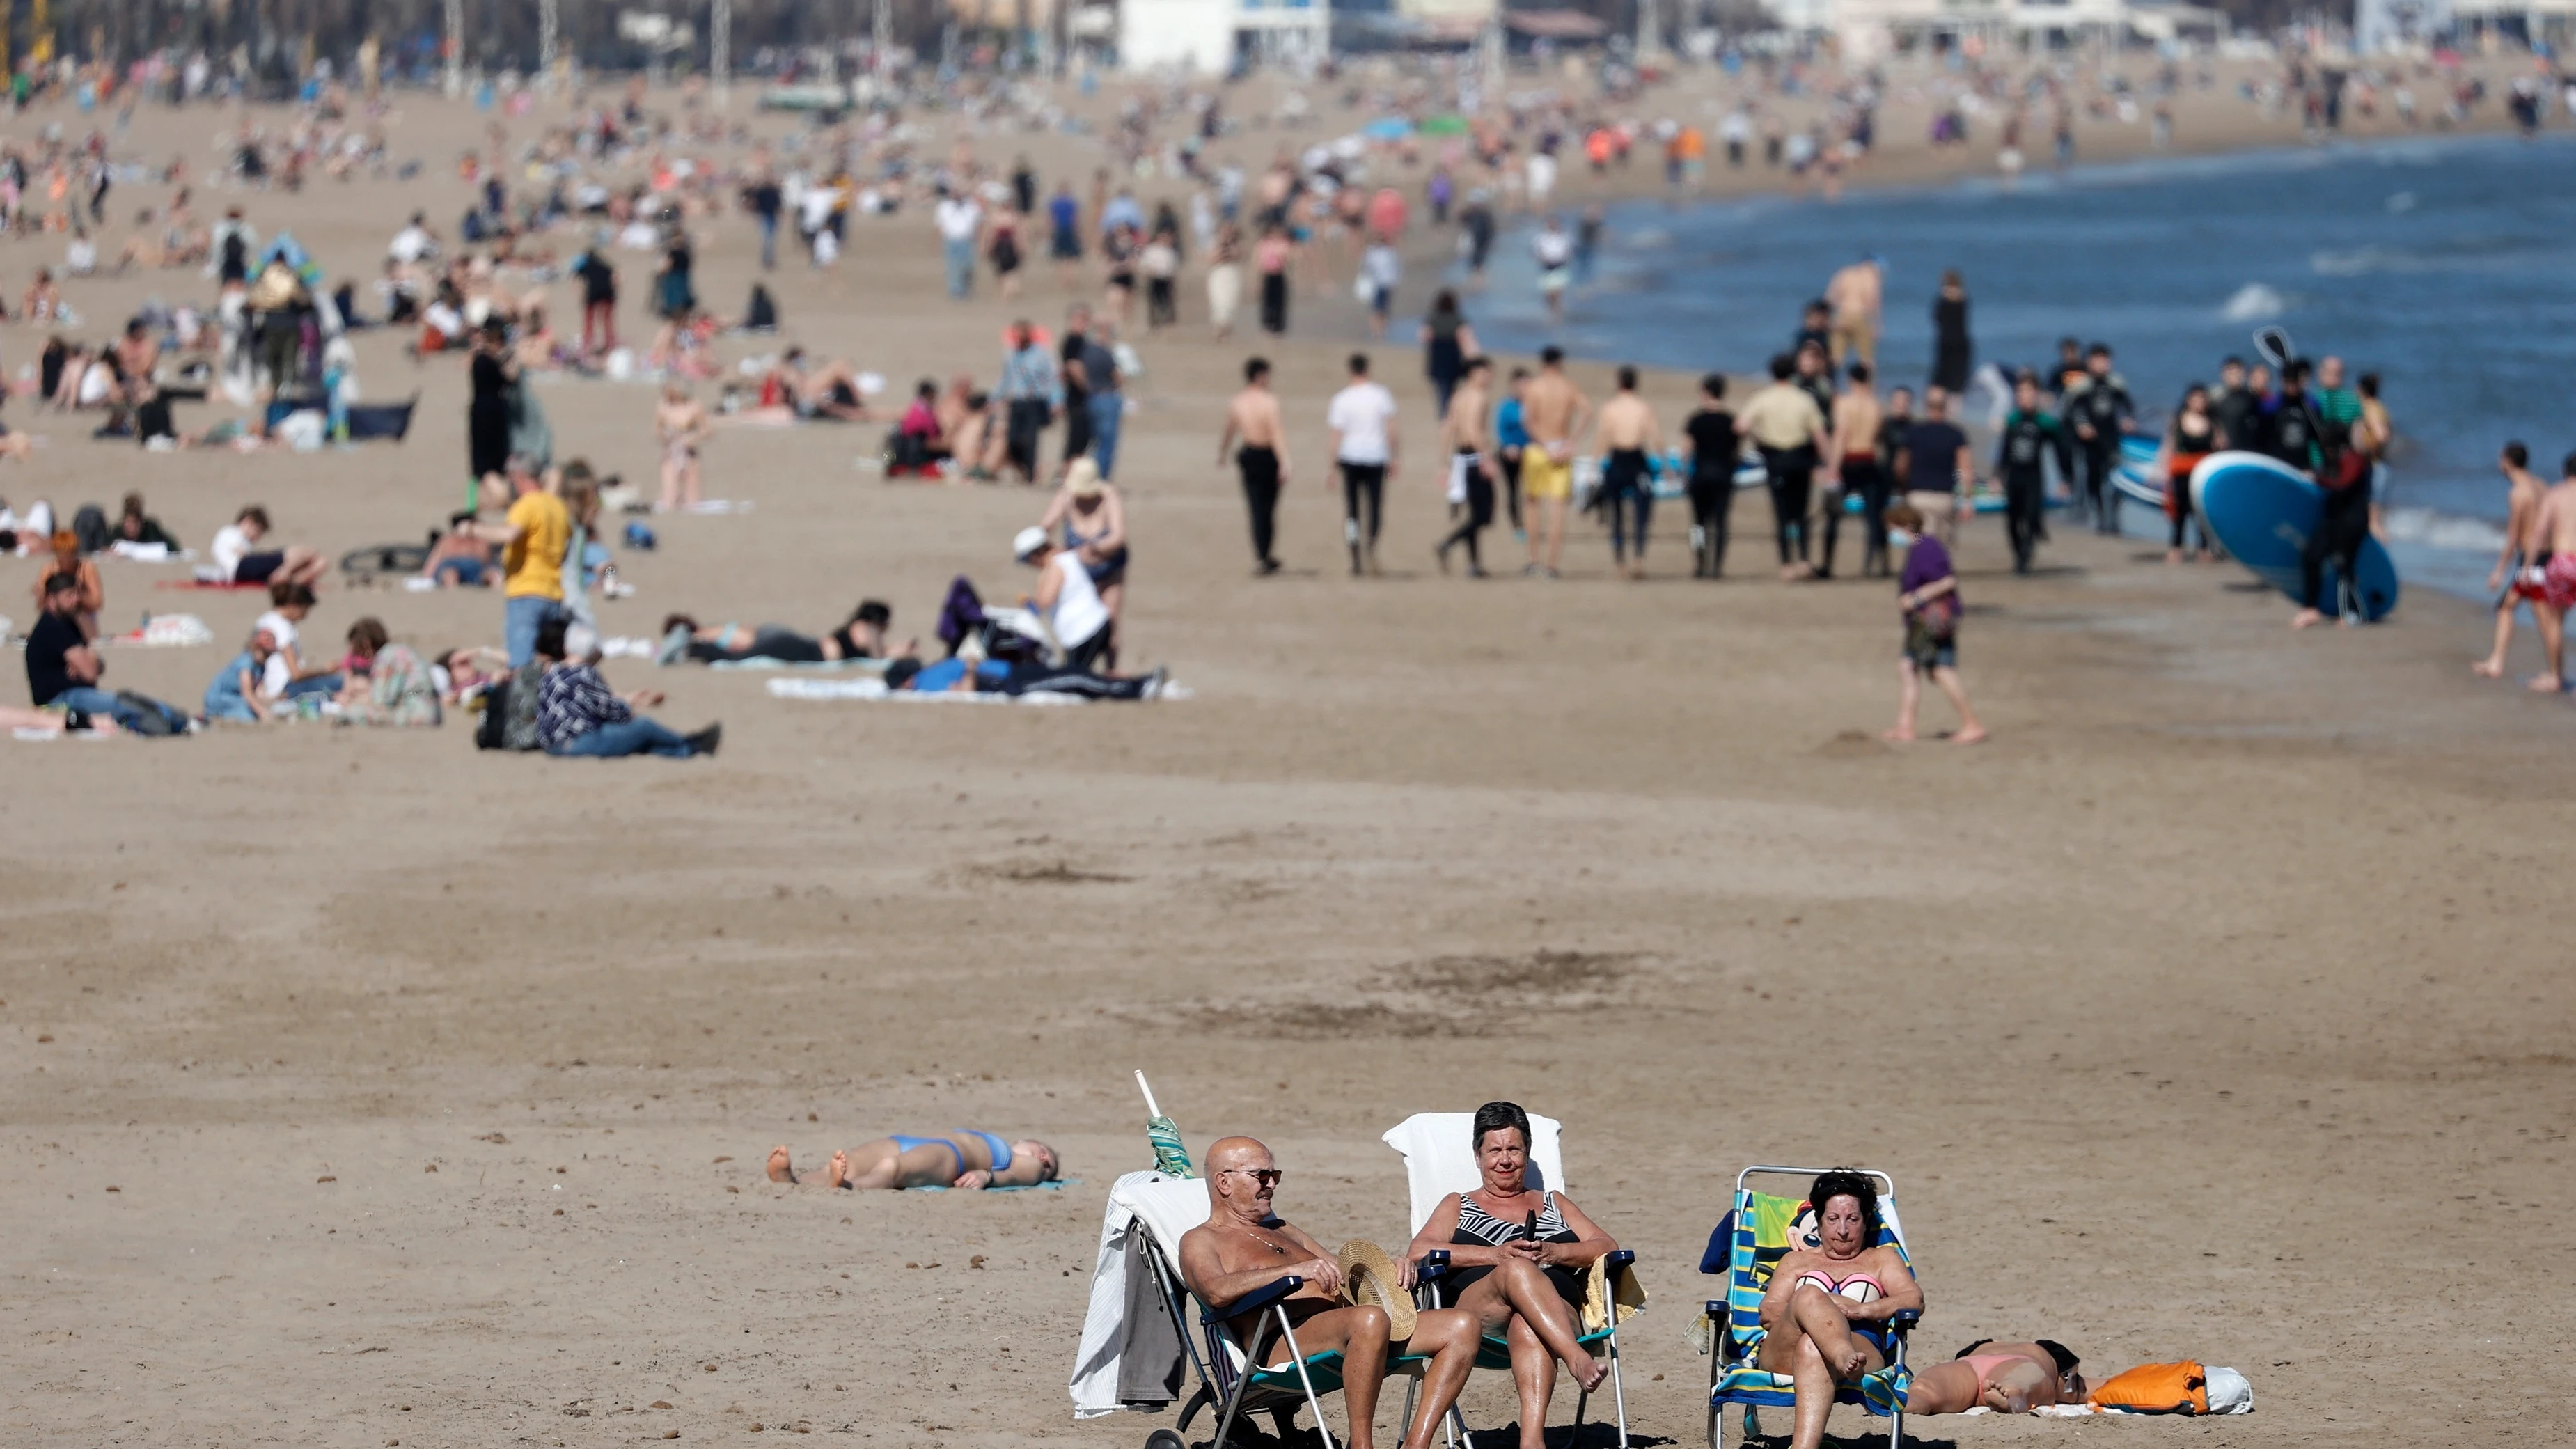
column 1525, row 1275
column 964, row 1158
column 1819, row 1324
column 387, row 684
column 1244, row 1247
column 2009, row 1378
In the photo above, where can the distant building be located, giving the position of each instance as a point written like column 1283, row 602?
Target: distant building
column 1866, row 28
column 1207, row 37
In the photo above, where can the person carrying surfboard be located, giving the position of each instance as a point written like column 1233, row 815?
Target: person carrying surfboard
column 2099, row 409
column 2341, row 468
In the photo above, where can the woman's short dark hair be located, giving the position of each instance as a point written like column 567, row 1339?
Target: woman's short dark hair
column 369, row 634
column 550, row 637
column 1494, row 1117
column 1851, row 1183
column 287, row 594
column 872, row 611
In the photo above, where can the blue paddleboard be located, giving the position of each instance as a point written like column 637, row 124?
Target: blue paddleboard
column 2262, row 510
column 2135, row 476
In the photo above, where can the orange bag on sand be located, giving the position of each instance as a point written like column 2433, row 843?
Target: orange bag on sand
column 2155, row 1388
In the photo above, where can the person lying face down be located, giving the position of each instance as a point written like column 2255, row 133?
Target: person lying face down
column 1824, row 1316
column 1244, row 1247
column 2009, row 1378
column 964, row 1158
column 862, row 637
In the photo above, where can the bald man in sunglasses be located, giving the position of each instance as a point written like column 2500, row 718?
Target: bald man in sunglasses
column 1244, row 1247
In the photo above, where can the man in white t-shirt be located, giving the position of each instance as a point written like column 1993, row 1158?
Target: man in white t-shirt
column 1362, row 417
column 413, row 243
column 1553, row 250
column 961, row 221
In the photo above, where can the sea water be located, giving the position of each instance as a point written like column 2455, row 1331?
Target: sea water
column 2445, row 264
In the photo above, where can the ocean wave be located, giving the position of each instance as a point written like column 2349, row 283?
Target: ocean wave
column 2434, row 529
column 2252, row 302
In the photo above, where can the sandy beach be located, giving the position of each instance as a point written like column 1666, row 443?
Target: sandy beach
column 360, row 1087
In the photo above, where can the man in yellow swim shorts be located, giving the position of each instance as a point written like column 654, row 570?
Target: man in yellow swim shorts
column 1555, row 413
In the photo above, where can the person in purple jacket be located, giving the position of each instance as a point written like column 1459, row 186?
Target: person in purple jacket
column 1928, row 595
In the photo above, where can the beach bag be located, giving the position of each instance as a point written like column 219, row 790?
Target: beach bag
column 762, row 314
column 496, row 714
column 2155, row 1388
column 89, row 525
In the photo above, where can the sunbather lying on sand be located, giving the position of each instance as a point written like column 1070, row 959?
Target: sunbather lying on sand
column 2009, row 1378
column 964, row 1158
column 862, row 637
column 1824, row 1317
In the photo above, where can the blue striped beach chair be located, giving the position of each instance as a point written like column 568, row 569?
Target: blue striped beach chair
column 1228, row 1383
column 1746, row 1243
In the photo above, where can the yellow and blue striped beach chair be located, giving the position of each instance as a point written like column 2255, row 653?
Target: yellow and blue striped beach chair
column 1748, row 1241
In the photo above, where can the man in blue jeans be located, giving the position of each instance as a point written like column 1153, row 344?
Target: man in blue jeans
column 578, row 715
column 62, row 669
column 1105, row 407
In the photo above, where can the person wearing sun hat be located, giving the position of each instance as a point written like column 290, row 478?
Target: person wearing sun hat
column 1066, row 598
column 1351, row 1301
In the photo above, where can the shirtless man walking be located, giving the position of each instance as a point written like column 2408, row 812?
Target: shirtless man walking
column 1473, row 470
column 1855, row 294
column 1554, row 412
column 2553, row 534
column 2517, row 563
column 1856, row 419
column 1243, row 1247
column 1629, row 436
column 680, row 427
column 1252, row 420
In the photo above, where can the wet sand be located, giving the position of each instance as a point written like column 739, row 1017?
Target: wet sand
column 2214, row 1009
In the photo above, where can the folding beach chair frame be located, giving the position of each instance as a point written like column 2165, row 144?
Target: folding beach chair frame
column 1231, row 1390
column 1723, row 1337
column 1427, row 1294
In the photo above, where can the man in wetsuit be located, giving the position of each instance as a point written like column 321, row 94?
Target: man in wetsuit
column 2342, row 469
column 1629, row 436
column 1714, row 447
column 2098, row 408
column 2232, row 408
column 2021, row 464
column 1252, row 420
column 2288, row 428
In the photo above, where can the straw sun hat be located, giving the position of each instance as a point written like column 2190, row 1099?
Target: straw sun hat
column 1368, row 1276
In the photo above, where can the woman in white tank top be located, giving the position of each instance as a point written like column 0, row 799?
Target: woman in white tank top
column 1065, row 597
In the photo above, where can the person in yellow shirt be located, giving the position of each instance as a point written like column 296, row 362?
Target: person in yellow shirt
column 533, row 538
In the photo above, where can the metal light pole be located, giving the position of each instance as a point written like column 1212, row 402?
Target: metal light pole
column 546, row 24
column 455, row 48
column 880, row 36
column 720, row 50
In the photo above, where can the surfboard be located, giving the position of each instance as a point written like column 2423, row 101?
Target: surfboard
column 2262, row 511
column 2135, row 474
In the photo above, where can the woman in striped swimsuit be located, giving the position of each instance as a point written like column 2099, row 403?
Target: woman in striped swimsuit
column 1519, row 1260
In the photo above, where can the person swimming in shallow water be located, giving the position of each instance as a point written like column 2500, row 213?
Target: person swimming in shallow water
column 964, row 1158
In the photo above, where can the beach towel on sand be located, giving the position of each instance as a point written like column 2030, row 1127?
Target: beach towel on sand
column 875, row 691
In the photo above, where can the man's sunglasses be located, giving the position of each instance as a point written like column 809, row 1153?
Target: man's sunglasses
column 1266, row 1176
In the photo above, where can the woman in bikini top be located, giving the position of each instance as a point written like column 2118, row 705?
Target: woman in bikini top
column 1824, row 1316
column 965, row 1158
